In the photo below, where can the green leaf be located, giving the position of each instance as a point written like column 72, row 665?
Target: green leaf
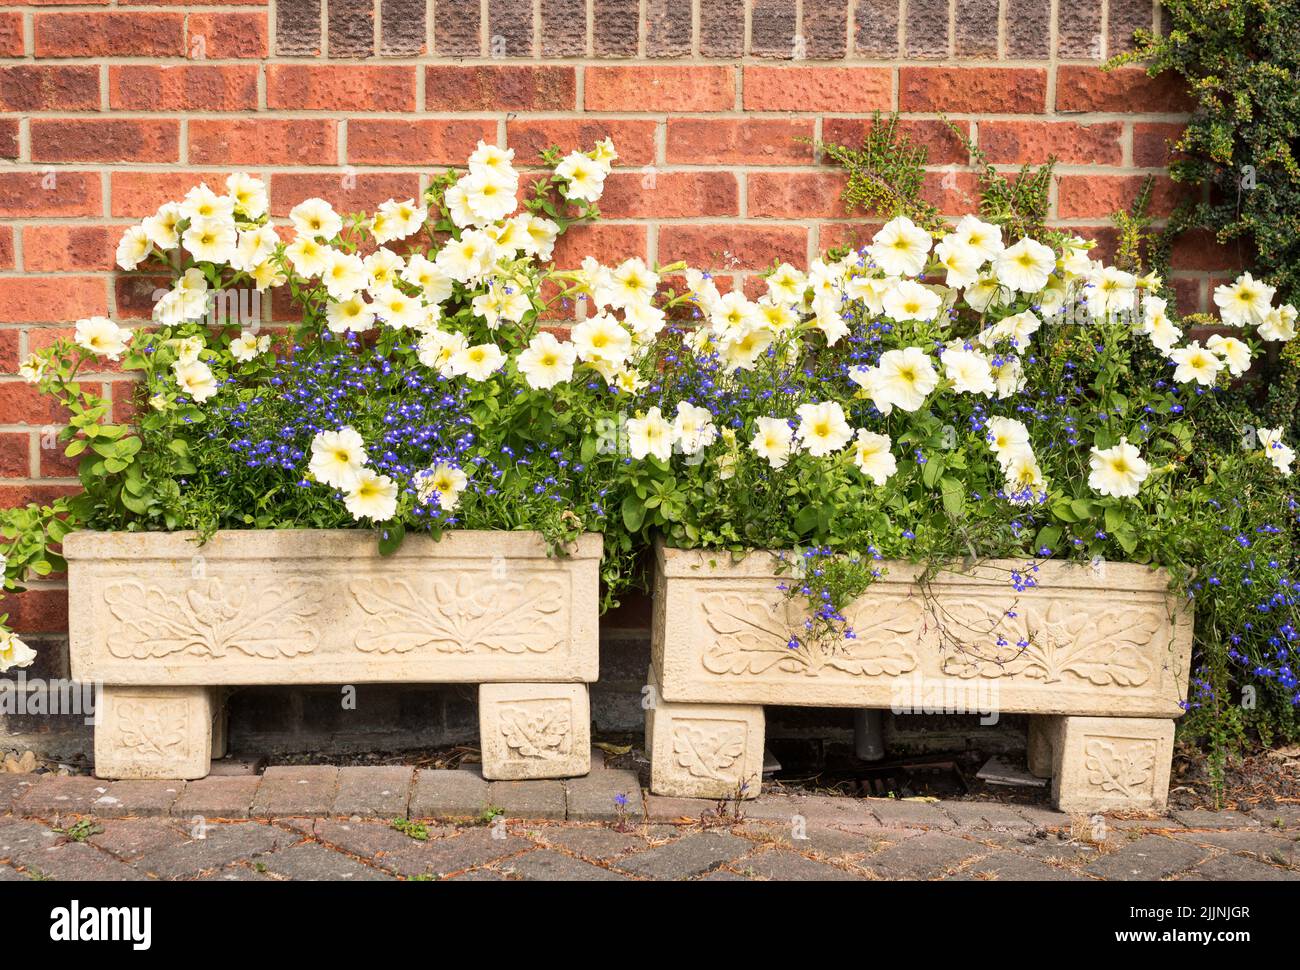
column 633, row 513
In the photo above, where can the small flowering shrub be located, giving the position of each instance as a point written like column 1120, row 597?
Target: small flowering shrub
column 958, row 396
column 415, row 388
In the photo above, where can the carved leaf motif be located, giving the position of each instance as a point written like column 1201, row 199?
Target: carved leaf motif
column 1109, row 646
column 1120, row 767
column 150, row 729
column 464, row 615
column 708, row 749
column 538, row 731
column 212, row 619
column 753, row 634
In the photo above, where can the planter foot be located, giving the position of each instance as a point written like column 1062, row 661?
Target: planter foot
column 161, row 733
column 1103, row 764
column 1043, row 729
column 534, row 730
column 703, row 750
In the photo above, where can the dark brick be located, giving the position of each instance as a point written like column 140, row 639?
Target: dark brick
column 1126, row 16
column 564, row 28
column 490, row 87
column 927, row 28
column 317, row 863
column 1078, row 29
column 402, row 24
column 219, row 797
column 826, row 29
column 351, row 28
column 722, row 28
column 455, row 27
column 137, row 797
column 31, row 87
column 614, row 27
column 1029, row 28
column 668, row 28
column 510, row 28
column 1149, row 858
column 545, row 865
column 297, row 27
column 772, row 28
column 689, row 856
column 977, row 28
column 9, row 138
column 875, row 28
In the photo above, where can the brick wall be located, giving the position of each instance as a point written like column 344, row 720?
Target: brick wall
column 109, row 108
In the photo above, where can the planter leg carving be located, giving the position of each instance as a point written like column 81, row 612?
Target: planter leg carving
column 1102, row 764
column 704, row 750
column 155, row 732
column 534, row 730
column 1042, row 741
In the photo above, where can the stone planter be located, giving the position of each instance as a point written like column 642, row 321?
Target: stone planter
column 1105, row 667
column 165, row 624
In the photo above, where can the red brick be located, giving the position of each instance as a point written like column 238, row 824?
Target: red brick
column 8, row 351
column 382, row 141
column 728, row 248
column 634, row 140
column 105, row 140
column 53, row 463
column 1083, row 196
column 942, row 146
column 1125, row 90
column 998, row 90
column 614, row 243
column 49, row 87
column 1199, row 250
column 483, row 87
column 743, row 141
column 15, row 454
column 59, row 247
column 361, row 191
column 659, row 88
column 670, row 195
column 264, row 141
column 9, row 137
column 18, row 496
column 134, row 296
column 340, row 87
column 52, row 299
column 22, row 403
column 1020, row 142
column 38, row 610
column 183, row 87
column 1152, row 142
column 795, row 195
column 7, row 247
column 953, row 193
column 52, row 193
column 104, row 34
column 818, row 88
column 11, row 34
column 216, row 36
column 137, row 194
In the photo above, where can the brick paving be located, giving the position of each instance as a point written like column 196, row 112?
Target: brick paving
column 374, row 824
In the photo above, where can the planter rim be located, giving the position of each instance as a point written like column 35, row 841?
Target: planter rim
column 319, row 544
column 676, row 563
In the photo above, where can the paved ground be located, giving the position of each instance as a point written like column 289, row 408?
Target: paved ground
column 398, row 823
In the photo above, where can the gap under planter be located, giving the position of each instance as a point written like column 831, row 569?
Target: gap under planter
column 1105, row 666
column 165, row 625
